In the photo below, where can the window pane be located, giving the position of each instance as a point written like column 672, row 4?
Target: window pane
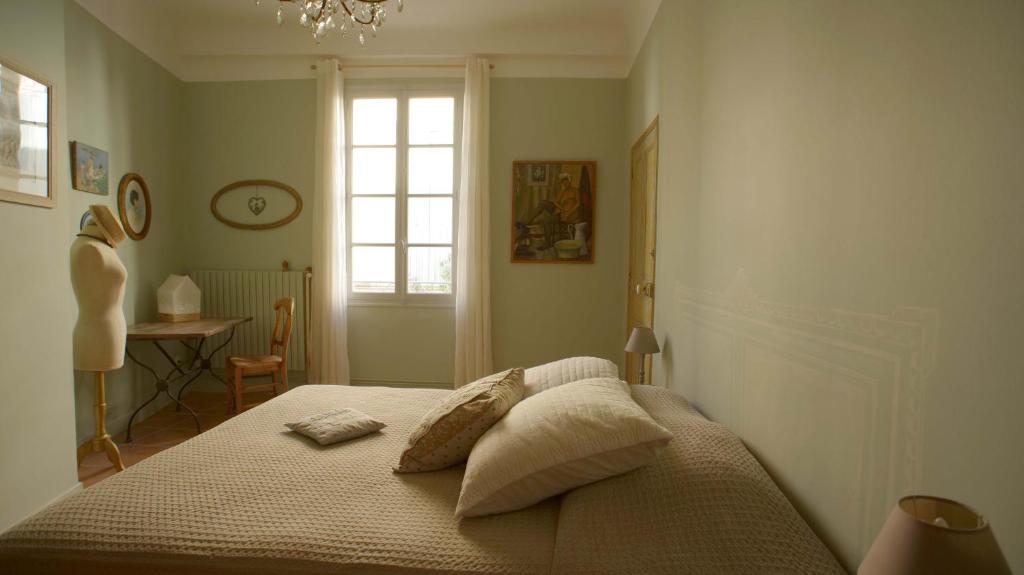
column 373, row 220
column 430, row 270
column 430, row 220
column 431, row 121
column 373, row 171
column 430, row 171
column 373, row 269
column 374, row 121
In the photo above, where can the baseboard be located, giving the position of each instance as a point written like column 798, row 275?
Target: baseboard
column 401, row 383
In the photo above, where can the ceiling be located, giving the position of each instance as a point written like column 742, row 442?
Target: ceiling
column 201, row 40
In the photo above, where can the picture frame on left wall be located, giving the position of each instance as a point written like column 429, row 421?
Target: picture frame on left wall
column 90, row 169
column 26, row 136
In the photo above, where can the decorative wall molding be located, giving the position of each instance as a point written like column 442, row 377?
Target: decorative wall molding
column 829, row 400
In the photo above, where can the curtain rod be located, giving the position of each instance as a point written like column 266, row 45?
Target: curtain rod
column 343, row 66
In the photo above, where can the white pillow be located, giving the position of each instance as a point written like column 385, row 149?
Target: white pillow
column 543, row 377
column 336, row 425
column 568, row 436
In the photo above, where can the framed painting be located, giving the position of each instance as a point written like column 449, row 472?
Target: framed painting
column 26, row 137
column 553, row 211
column 134, row 206
column 90, row 169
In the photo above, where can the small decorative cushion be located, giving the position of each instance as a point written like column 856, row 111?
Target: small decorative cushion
column 448, row 432
column 554, row 441
column 542, row 377
column 336, row 425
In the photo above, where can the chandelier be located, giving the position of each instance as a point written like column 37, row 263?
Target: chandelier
column 323, row 16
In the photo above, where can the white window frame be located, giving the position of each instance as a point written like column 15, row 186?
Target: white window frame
column 403, row 93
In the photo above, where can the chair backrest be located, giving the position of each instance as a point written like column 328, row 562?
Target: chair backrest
column 284, row 308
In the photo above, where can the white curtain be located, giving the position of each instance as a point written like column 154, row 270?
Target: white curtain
column 329, row 310
column 473, row 358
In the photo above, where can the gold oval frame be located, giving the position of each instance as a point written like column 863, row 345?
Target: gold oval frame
column 122, row 208
column 251, row 183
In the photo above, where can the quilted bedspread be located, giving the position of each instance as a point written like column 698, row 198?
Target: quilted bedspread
column 249, row 496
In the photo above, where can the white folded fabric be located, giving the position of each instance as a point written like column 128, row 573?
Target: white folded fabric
column 336, row 425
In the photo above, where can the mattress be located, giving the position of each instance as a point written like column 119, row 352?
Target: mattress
column 250, row 496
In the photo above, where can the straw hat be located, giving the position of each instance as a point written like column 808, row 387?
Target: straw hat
column 107, row 223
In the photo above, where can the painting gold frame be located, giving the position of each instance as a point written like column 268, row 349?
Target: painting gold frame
column 50, row 200
column 122, row 205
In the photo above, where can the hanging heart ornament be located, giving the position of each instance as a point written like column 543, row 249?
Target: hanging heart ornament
column 257, row 205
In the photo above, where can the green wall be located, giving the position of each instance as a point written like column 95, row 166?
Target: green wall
column 250, row 130
column 37, row 418
column 123, row 102
column 859, row 156
column 246, row 130
column 543, row 312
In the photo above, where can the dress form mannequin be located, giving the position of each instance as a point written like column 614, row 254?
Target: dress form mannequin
column 98, row 278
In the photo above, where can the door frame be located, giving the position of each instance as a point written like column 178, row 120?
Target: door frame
column 652, row 127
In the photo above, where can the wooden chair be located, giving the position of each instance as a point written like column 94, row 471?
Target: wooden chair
column 275, row 365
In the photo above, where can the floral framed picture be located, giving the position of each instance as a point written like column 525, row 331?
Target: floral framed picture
column 26, row 137
column 90, row 169
column 553, row 206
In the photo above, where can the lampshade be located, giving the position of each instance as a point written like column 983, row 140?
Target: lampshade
column 934, row 536
column 178, row 299
column 642, row 340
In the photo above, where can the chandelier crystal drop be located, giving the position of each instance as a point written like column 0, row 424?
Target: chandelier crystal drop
column 323, row 16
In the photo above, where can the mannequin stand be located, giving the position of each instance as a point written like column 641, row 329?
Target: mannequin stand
column 101, row 442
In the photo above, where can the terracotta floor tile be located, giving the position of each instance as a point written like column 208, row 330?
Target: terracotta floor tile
column 162, row 430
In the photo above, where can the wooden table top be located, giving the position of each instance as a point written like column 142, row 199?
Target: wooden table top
column 184, row 329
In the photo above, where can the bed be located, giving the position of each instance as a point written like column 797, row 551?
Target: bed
column 251, row 497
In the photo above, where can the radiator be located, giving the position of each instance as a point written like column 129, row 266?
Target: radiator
column 242, row 293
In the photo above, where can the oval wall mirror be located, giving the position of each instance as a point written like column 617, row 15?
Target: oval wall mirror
column 256, row 204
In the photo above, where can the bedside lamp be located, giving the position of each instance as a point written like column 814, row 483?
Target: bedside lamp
column 934, row 536
column 642, row 341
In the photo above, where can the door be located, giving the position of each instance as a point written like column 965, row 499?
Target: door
column 643, row 202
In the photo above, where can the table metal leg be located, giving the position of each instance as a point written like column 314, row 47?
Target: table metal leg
column 196, row 366
column 128, row 433
column 162, row 386
column 206, row 362
column 197, row 354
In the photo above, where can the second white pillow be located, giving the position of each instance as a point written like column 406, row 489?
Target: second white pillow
column 554, row 441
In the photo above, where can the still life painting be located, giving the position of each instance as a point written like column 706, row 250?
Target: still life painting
column 90, row 169
column 553, row 211
column 25, row 136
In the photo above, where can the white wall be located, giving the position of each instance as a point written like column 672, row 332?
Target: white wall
column 37, row 418
column 859, row 156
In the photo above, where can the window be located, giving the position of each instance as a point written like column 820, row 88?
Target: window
column 403, row 154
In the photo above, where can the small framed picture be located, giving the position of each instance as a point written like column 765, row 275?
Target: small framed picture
column 26, row 137
column 134, row 206
column 90, row 169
